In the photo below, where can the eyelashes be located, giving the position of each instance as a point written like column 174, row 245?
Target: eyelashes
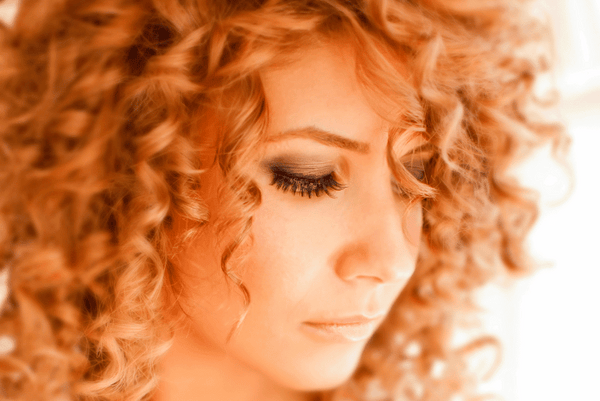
column 305, row 185
column 311, row 185
column 417, row 170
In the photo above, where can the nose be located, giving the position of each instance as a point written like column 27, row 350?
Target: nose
column 378, row 248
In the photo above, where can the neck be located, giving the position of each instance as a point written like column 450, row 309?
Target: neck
column 189, row 372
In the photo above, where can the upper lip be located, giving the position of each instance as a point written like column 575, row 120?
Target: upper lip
column 354, row 319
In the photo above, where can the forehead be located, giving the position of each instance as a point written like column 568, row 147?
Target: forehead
column 319, row 88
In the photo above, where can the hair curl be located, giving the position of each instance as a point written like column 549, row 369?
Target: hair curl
column 103, row 105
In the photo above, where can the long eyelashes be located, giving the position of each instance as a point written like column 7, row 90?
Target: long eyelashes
column 416, row 168
column 305, row 185
column 310, row 185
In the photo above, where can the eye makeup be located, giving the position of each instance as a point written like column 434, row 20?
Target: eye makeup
column 416, row 164
column 417, row 160
column 303, row 177
column 416, row 167
column 318, row 175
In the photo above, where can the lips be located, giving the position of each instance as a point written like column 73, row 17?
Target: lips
column 352, row 328
column 350, row 319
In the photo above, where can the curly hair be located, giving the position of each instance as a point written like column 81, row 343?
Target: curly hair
column 103, row 107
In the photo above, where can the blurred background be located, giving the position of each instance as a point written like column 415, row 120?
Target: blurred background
column 549, row 323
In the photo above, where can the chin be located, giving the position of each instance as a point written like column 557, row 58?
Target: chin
column 325, row 374
column 311, row 381
column 327, row 383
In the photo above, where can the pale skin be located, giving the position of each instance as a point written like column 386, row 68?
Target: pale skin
column 314, row 259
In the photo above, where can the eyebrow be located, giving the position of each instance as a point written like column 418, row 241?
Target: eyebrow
column 325, row 137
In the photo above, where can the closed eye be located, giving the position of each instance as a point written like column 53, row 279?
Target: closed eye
column 305, row 185
column 417, row 169
column 416, row 164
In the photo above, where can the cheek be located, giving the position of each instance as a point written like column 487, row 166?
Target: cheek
column 283, row 262
column 206, row 298
column 288, row 281
column 414, row 228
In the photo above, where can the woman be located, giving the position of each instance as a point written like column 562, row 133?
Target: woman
column 249, row 200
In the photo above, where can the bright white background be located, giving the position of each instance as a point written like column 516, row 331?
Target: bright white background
column 550, row 323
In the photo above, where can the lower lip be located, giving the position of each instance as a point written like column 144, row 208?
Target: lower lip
column 341, row 332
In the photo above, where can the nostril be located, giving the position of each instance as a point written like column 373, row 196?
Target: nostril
column 362, row 261
column 396, row 274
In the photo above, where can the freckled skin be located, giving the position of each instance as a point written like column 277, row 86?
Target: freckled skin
column 311, row 258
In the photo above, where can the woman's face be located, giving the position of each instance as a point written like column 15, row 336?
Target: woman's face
column 314, row 260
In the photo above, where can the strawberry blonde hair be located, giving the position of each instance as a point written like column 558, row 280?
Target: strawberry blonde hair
column 103, row 105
